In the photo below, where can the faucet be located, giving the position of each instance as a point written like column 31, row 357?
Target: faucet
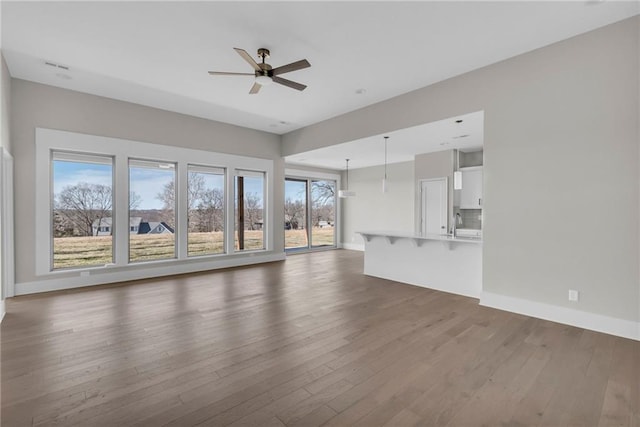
column 457, row 220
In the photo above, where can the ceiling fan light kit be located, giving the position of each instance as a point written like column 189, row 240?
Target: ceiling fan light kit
column 264, row 80
column 264, row 74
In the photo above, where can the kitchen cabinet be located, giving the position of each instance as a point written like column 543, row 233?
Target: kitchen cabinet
column 471, row 193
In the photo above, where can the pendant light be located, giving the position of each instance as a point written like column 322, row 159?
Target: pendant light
column 346, row 193
column 457, row 175
column 384, row 180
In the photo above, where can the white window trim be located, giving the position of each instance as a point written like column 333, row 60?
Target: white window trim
column 48, row 140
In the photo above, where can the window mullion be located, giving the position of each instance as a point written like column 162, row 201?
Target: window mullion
column 230, row 220
column 121, row 211
column 181, row 210
column 309, row 213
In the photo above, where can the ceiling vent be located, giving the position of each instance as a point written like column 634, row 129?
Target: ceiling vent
column 54, row 65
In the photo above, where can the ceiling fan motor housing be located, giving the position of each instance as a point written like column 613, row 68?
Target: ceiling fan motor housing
column 265, row 70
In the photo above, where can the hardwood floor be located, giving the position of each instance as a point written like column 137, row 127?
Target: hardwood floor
column 310, row 341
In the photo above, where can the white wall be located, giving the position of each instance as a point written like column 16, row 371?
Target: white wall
column 561, row 166
column 372, row 209
column 35, row 105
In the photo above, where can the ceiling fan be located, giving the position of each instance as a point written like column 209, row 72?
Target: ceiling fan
column 264, row 74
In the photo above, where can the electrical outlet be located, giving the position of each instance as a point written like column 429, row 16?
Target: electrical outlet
column 574, row 295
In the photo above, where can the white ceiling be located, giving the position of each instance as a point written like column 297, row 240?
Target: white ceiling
column 158, row 53
column 402, row 145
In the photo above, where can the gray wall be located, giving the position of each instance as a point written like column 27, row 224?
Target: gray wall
column 561, row 155
column 310, row 168
column 35, row 105
column 473, row 158
column 5, row 91
column 372, row 209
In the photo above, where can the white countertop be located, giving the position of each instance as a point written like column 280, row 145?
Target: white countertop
column 418, row 236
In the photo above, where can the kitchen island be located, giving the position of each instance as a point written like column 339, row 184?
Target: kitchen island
column 441, row 262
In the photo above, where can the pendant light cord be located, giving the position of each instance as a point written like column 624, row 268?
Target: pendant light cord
column 385, row 156
column 347, row 174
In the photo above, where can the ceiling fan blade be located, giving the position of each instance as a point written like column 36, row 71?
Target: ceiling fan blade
column 248, row 58
column 298, row 65
column 255, row 88
column 224, row 73
column 289, row 83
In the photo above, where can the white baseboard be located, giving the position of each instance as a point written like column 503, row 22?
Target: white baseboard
column 353, row 246
column 2, row 310
column 60, row 283
column 582, row 319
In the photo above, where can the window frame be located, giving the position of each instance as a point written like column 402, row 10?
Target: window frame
column 139, row 163
column 75, row 156
column 309, row 176
column 250, row 173
column 193, row 167
column 121, row 150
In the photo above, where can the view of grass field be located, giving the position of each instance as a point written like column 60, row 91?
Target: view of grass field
column 81, row 251
column 298, row 238
column 92, row 251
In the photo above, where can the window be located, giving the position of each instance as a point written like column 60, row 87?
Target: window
column 152, row 205
column 82, row 210
column 178, row 212
column 249, row 210
column 205, row 206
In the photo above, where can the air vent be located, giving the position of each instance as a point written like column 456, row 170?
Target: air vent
column 54, row 65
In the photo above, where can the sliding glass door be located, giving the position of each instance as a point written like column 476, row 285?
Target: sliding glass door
column 309, row 214
column 323, row 213
column 295, row 214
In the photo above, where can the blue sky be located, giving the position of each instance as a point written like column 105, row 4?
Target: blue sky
column 71, row 173
column 146, row 183
column 294, row 190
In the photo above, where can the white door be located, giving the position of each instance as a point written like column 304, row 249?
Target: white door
column 434, row 206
